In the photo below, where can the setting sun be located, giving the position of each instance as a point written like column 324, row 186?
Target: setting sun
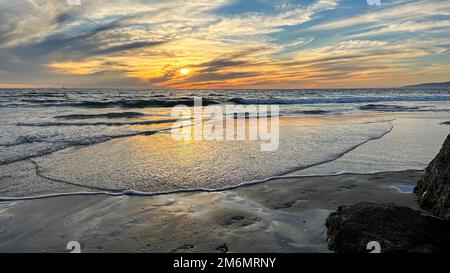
column 185, row 71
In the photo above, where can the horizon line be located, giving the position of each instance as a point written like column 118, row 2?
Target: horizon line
column 221, row 88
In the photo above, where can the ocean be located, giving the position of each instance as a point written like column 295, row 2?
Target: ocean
column 63, row 141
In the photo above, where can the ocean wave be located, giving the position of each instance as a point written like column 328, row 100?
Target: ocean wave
column 33, row 95
column 100, row 123
column 163, row 101
column 309, row 112
column 324, row 100
column 29, row 138
column 131, row 103
column 43, row 101
column 103, row 115
column 63, row 142
column 55, row 146
column 388, row 108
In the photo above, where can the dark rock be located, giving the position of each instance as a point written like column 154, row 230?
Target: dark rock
column 396, row 228
column 223, row 248
column 433, row 189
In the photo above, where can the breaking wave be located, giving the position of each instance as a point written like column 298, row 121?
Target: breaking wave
column 325, row 100
column 126, row 103
column 100, row 123
column 104, row 115
column 388, row 108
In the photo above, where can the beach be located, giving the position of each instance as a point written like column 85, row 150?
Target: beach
column 281, row 215
column 106, row 170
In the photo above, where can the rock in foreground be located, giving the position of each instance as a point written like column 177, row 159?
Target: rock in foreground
column 396, row 228
column 433, row 189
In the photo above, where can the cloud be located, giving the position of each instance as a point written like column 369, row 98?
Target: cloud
column 146, row 43
column 401, row 11
column 213, row 76
column 68, row 44
column 219, row 64
column 407, row 26
column 125, row 47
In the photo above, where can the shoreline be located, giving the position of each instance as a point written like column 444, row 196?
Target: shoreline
column 132, row 192
column 279, row 215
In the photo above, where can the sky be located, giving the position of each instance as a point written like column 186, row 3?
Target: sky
column 223, row 43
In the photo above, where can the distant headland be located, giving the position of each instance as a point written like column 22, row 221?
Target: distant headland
column 430, row 85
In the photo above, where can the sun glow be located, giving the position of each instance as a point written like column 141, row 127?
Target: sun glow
column 184, row 71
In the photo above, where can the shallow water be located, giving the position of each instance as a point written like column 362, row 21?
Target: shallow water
column 116, row 140
column 159, row 163
column 414, row 141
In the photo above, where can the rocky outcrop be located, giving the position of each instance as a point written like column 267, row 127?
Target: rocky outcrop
column 396, row 228
column 433, row 189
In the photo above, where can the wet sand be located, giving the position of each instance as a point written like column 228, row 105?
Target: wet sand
column 281, row 215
